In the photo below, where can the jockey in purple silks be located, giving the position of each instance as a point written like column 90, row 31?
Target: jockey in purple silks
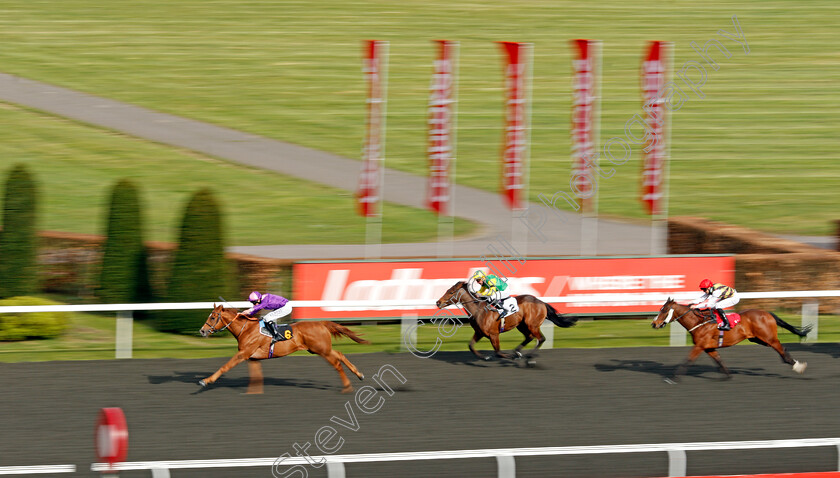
column 278, row 305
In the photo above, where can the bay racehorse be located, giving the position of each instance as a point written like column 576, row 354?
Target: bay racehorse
column 314, row 337
column 756, row 326
column 484, row 318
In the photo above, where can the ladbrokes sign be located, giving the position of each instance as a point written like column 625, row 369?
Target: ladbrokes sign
column 582, row 279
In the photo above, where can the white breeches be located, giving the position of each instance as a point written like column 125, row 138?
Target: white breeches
column 281, row 312
column 725, row 303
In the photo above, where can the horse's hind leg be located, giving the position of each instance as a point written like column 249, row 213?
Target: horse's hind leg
column 798, row 367
column 716, row 356
column 528, row 338
column 349, row 365
column 255, row 384
column 335, row 361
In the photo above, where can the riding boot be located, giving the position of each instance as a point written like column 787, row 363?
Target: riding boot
column 725, row 325
column 502, row 314
column 271, row 327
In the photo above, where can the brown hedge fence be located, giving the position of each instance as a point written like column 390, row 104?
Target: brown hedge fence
column 70, row 265
column 762, row 262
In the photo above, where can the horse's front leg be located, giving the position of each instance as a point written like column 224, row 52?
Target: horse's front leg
column 233, row 362
column 494, row 339
column 476, row 337
column 716, row 356
column 255, row 383
column 681, row 369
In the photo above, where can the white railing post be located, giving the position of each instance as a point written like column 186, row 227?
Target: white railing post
column 679, row 336
column 547, row 329
column 335, row 469
column 677, row 463
column 507, row 466
column 125, row 328
column 408, row 331
column 811, row 316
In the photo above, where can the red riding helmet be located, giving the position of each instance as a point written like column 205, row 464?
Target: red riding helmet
column 254, row 297
column 705, row 284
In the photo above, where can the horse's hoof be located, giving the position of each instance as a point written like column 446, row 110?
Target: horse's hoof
column 531, row 363
column 670, row 381
column 202, row 383
column 799, row 367
column 347, row 390
column 518, row 354
column 361, row 376
column 487, row 358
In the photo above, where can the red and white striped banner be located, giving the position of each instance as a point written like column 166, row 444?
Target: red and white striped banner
column 514, row 156
column 654, row 70
column 375, row 69
column 441, row 126
column 584, row 121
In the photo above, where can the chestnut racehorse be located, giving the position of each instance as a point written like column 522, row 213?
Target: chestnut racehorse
column 484, row 319
column 756, row 326
column 314, row 337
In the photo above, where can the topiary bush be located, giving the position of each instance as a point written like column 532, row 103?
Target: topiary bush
column 35, row 325
column 124, row 277
column 199, row 270
column 18, row 239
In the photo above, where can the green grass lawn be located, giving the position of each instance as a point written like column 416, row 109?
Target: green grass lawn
column 76, row 166
column 758, row 150
column 91, row 337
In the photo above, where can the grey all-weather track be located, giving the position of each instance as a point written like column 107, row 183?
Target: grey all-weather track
column 449, row 402
column 561, row 230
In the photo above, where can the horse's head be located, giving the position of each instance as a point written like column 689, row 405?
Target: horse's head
column 666, row 314
column 216, row 321
column 451, row 296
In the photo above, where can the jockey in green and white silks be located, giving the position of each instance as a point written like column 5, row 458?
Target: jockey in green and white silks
column 716, row 297
column 494, row 289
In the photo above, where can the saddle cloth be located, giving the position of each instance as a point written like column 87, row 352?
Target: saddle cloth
column 283, row 330
column 734, row 319
column 510, row 305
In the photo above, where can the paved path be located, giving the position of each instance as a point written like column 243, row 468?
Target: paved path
column 561, row 230
column 448, row 402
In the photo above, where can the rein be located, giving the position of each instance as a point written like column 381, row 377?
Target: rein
column 707, row 321
column 213, row 329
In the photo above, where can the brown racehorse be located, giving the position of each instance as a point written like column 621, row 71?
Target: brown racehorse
column 485, row 323
column 756, row 326
column 314, row 337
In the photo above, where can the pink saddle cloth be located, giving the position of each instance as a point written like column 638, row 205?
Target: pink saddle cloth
column 734, row 319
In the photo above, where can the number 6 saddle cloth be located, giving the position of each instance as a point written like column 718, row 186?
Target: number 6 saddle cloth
column 284, row 331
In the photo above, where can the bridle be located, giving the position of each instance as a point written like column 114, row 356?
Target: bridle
column 218, row 316
column 452, row 301
column 670, row 318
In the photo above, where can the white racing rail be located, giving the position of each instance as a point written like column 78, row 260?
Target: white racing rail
column 678, row 336
column 396, row 304
column 505, row 457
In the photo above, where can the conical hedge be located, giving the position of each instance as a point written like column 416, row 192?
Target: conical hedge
column 124, row 277
column 199, row 270
column 18, row 239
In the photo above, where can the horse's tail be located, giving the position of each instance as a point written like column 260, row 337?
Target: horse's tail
column 558, row 319
column 800, row 331
column 338, row 330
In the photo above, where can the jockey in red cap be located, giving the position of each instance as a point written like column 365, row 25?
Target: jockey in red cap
column 717, row 297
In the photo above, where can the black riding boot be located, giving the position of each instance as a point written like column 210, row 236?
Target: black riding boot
column 725, row 325
column 502, row 314
column 271, row 327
